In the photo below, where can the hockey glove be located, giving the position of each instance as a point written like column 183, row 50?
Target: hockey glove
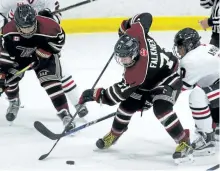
column 43, row 54
column 91, row 95
column 46, row 13
column 124, row 26
column 2, row 83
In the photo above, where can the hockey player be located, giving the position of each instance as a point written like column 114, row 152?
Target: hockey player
column 44, row 8
column 150, row 75
column 30, row 38
column 200, row 71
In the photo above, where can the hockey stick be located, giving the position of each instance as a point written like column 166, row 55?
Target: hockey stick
column 213, row 168
column 46, row 132
column 72, row 6
column 47, row 154
column 19, row 73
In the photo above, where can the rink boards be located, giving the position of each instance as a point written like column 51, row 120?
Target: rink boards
column 160, row 23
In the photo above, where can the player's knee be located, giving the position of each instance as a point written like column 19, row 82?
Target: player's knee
column 164, row 100
column 198, row 98
column 124, row 114
column 56, row 94
column 162, row 108
column 53, row 88
column 212, row 94
column 199, row 104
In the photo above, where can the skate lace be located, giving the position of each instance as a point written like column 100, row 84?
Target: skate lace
column 182, row 146
column 109, row 139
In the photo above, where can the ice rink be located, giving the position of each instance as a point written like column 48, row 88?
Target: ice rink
column 145, row 146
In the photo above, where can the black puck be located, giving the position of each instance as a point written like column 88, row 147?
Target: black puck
column 70, row 162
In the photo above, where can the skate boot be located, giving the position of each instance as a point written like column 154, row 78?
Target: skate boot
column 83, row 111
column 183, row 152
column 12, row 111
column 204, row 144
column 108, row 140
column 65, row 116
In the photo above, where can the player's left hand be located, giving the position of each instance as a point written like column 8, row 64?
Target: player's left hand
column 43, row 54
column 91, row 95
column 46, row 13
column 204, row 24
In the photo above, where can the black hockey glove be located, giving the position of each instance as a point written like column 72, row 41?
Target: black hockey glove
column 46, row 13
column 2, row 82
column 124, row 26
column 91, row 95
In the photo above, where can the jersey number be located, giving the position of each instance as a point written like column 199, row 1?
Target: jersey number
column 165, row 61
column 123, row 86
column 183, row 72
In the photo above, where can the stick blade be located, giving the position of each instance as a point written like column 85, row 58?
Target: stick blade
column 44, row 131
column 43, row 156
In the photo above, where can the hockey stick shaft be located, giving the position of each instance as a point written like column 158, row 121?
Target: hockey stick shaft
column 19, row 73
column 100, row 75
column 41, row 128
column 89, row 124
column 97, row 80
column 72, row 6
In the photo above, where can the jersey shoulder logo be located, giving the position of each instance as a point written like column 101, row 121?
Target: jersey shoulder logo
column 143, row 52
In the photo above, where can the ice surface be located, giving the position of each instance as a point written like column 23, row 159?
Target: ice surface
column 145, row 146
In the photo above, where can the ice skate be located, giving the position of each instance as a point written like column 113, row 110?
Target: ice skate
column 83, row 111
column 204, row 144
column 108, row 140
column 183, row 153
column 12, row 111
column 65, row 116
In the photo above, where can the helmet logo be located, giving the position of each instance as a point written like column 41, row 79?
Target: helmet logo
column 143, row 52
column 30, row 1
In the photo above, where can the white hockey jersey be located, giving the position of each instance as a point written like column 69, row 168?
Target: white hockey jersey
column 7, row 7
column 200, row 66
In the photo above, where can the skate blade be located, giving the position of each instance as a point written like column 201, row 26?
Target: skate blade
column 188, row 159
column 10, row 123
column 204, row 152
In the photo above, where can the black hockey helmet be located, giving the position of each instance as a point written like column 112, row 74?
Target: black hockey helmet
column 25, row 20
column 188, row 39
column 126, row 50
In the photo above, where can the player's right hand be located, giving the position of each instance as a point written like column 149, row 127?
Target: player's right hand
column 46, row 13
column 91, row 95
